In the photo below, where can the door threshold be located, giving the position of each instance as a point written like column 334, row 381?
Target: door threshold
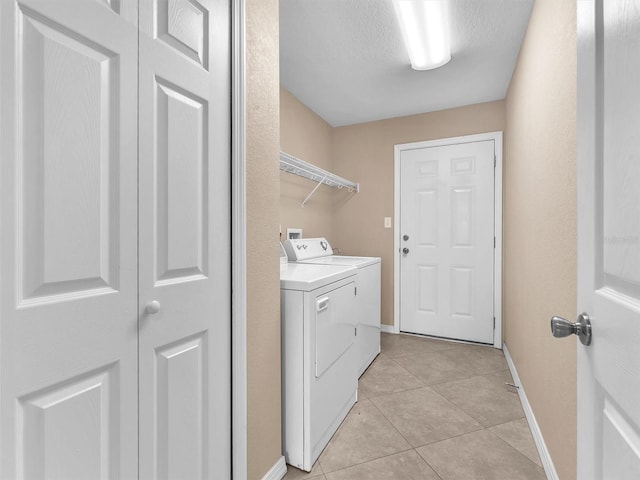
column 447, row 339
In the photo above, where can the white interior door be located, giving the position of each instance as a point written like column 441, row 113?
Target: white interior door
column 447, row 240
column 609, row 238
column 185, row 239
column 68, row 222
column 79, row 177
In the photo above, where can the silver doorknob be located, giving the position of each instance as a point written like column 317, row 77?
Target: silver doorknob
column 152, row 307
column 563, row 328
column 405, row 250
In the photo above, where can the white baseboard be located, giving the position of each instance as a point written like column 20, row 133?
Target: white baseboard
column 278, row 470
column 387, row 328
column 547, row 463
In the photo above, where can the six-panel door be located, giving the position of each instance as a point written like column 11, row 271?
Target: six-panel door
column 184, row 239
column 68, row 346
column 447, row 216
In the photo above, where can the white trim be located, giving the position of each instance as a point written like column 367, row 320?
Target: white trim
column 444, row 339
column 278, row 470
column 497, row 232
column 497, row 229
column 543, row 451
column 396, row 239
column 388, row 329
column 238, row 245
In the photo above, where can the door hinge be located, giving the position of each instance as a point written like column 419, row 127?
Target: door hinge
column 494, row 242
column 494, row 323
column 355, row 290
column 495, row 161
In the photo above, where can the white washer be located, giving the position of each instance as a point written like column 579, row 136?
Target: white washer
column 318, row 251
column 319, row 382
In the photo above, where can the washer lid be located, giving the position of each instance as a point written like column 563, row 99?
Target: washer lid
column 307, row 277
column 344, row 260
column 305, row 248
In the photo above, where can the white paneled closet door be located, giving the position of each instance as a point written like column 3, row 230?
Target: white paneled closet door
column 184, row 239
column 115, row 253
column 68, row 222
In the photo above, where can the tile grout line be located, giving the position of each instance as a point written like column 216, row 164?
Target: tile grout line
column 399, row 432
column 383, row 457
column 490, row 372
column 391, row 423
column 409, row 358
column 433, row 469
column 513, row 448
column 415, row 449
column 528, row 428
column 466, row 411
column 468, row 433
column 369, row 461
column 482, row 425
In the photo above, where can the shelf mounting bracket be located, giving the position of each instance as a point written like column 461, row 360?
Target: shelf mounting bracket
column 313, row 191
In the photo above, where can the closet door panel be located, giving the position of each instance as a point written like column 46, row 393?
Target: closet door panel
column 181, row 417
column 68, row 245
column 182, row 184
column 185, row 239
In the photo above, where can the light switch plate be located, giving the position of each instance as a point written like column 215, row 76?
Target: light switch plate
column 387, row 222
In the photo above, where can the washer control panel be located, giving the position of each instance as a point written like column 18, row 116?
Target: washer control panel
column 306, row 248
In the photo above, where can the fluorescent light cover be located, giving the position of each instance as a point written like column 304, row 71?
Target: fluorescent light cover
column 425, row 31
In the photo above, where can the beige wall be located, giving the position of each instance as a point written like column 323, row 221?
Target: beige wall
column 540, row 223
column 305, row 135
column 364, row 153
column 263, row 286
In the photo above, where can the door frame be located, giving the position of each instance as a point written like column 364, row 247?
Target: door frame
column 238, row 244
column 497, row 229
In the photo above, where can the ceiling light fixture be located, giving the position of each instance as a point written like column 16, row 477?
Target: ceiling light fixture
column 425, row 31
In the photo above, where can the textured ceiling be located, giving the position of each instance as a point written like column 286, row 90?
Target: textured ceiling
column 345, row 59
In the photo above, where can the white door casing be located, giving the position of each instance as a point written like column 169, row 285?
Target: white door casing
column 445, row 208
column 239, row 244
column 68, row 221
column 608, row 393
column 185, row 239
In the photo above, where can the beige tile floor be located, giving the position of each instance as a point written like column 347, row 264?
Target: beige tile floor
column 434, row 410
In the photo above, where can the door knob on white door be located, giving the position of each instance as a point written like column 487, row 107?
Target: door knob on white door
column 152, row 307
column 563, row 328
column 405, row 250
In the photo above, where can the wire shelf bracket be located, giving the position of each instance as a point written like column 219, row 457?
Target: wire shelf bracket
column 295, row 166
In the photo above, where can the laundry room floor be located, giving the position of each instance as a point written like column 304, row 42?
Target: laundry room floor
column 434, row 410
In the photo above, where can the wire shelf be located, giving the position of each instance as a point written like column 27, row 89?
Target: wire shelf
column 295, row 166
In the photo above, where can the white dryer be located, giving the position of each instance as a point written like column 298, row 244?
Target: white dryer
column 318, row 251
column 319, row 382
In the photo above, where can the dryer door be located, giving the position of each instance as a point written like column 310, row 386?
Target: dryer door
column 335, row 322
